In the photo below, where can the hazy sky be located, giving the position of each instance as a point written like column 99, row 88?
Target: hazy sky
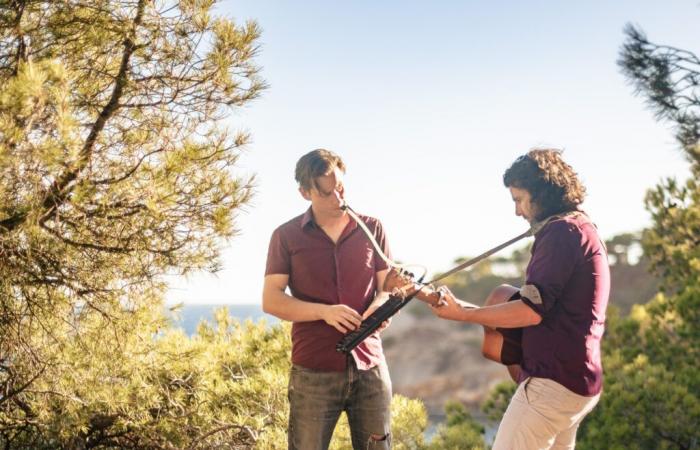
column 428, row 103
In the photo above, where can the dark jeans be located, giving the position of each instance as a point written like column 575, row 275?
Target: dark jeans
column 317, row 398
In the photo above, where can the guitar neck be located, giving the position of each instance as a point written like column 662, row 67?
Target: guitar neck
column 403, row 286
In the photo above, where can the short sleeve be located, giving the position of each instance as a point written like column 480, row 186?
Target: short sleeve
column 278, row 258
column 381, row 239
column 554, row 257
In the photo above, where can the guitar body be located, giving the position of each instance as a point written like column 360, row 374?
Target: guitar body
column 503, row 345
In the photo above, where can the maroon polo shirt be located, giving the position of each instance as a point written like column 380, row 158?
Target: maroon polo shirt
column 569, row 267
column 321, row 271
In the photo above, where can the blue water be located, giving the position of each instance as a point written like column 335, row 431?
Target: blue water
column 189, row 316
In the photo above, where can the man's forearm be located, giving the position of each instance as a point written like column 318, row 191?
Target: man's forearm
column 514, row 314
column 286, row 307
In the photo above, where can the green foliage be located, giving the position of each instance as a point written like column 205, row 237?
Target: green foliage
column 668, row 78
column 499, row 398
column 460, row 431
column 117, row 170
column 644, row 406
column 408, row 422
column 225, row 387
column 652, row 388
column 156, row 388
column 651, row 396
column 672, row 241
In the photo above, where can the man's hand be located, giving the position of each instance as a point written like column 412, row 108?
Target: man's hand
column 341, row 317
column 373, row 307
column 450, row 307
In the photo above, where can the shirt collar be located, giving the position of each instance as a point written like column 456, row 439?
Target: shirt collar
column 308, row 218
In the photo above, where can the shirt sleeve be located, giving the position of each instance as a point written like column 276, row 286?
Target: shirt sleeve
column 278, row 258
column 380, row 237
column 555, row 255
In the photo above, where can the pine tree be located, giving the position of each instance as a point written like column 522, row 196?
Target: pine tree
column 652, row 388
column 459, row 432
column 669, row 79
column 117, row 170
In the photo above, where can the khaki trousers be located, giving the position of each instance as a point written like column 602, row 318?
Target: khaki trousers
column 542, row 414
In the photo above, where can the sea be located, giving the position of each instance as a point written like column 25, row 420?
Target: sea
column 189, row 316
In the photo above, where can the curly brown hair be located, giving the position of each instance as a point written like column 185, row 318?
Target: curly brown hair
column 553, row 185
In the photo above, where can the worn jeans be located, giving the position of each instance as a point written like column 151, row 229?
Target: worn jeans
column 542, row 414
column 317, row 398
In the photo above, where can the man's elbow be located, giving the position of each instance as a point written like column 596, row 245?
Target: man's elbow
column 527, row 315
column 272, row 301
column 267, row 301
column 267, row 304
column 534, row 318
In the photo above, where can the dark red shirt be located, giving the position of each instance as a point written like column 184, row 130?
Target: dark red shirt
column 321, row 271
column 569, row 267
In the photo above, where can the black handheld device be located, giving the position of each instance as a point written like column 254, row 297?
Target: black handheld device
column 371, row 323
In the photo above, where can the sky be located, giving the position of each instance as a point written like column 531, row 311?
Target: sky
column 428, row 103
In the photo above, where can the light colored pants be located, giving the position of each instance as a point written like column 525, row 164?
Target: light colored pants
column 542, row 414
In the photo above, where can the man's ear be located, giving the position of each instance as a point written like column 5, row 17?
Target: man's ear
column 304, row 193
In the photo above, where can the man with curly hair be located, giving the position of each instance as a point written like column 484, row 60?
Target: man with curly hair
column 559, row 313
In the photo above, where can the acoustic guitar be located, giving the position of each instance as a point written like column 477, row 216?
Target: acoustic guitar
column 502, row 345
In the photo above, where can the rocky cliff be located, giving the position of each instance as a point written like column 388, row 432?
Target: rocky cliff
column 437, row 360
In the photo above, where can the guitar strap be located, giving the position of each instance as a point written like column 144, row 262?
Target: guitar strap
column 530, row 232
column 534, row 229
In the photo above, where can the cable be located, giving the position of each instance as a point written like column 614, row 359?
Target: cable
column 376, row 246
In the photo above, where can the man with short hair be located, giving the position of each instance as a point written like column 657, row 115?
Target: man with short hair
column 333, row 273
column 561, row 308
